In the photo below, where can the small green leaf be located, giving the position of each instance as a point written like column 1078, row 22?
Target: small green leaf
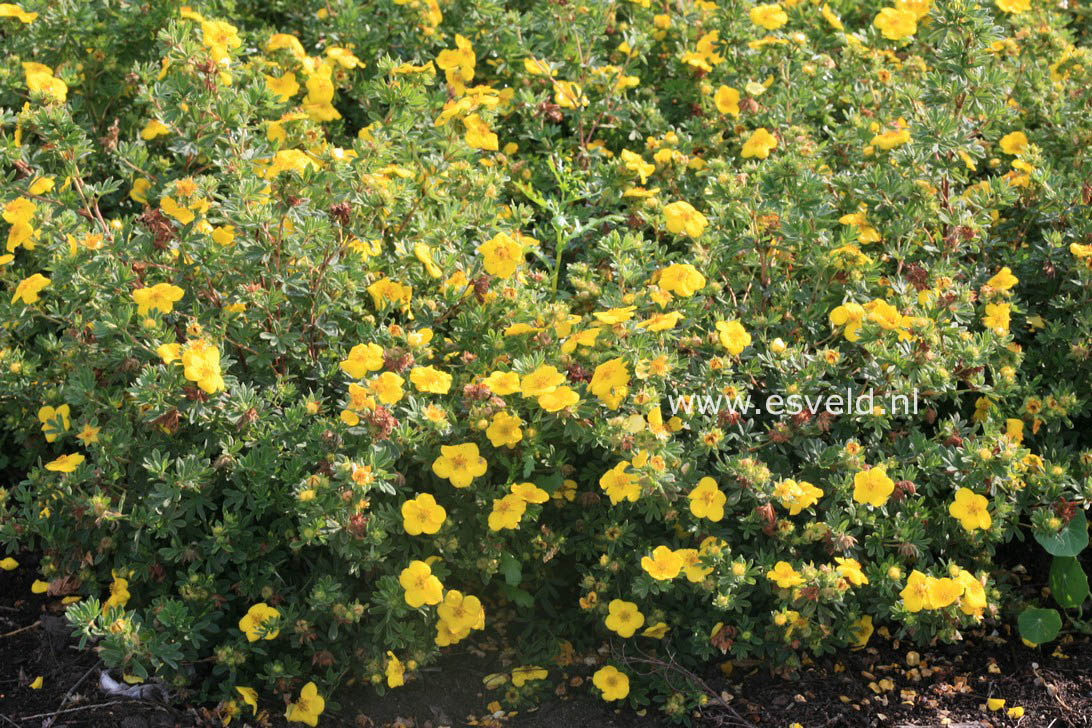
column 1068, row 582
column 1039, row 625
column 1070, row 541
column 512, row 570
column 520, row 597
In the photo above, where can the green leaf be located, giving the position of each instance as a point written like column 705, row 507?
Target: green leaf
column 1039, row 625
column 1070, row 541
column 520, row 597
column 1068, row 582
column 512, row 570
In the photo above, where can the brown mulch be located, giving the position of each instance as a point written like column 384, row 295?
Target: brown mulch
column 886, row 684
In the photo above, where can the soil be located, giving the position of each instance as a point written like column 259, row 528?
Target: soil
column 886, row 684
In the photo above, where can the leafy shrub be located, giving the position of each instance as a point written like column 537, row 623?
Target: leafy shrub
column 336, row 333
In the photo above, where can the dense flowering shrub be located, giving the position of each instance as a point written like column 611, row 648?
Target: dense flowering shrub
column 337, row 332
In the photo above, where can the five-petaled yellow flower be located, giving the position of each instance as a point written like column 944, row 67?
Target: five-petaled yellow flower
column 308, row 707
column 971, row 509
column 459, row 464
column 613, row 683
column 258, row 622
column 872, row 486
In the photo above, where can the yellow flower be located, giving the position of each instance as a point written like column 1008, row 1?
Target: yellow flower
column 707, row 501
column 40, row 186
column 461, row 613
column 613, row 683
column 915, row 595
column 536, row 67
column 1014, row 6
column 48, row 415
column 430, row 379
column 223, row 235
column 657, row 631
column 943, row 592
column 459, row 464
column 661, row 321
column 363, row 358
column 396, row 671
column 139, row 191
column 422, row 515
column 478, row 134
column 258, row 622
column 161, row 297
column 624, row 618
column 1014, row 143
column 872, row 486
column 37, row 683
column 458, row 63
column 8, row 10
column 502, row 255
column 279, row 41
column 9, row 564
column 733, row 336
column 784, row 575
column 635, row 163
column 569, row 95
column 39, row 586
column 614, row 316
column 307, row 708
column 201, row 362
column 727, row 100
column 888, row 317
column 664, row 565
column 19, row 211
column 507, row 512
column 424, row 254
column 796, row 496
column 610, row 382
column 971, row 509
column 388, row 387
column 973, row 602
column 522, row 675
column 250, row 697
column 620, row 485
column 850, row 315
column 892, row 138
column 283, row 87
column 997, row 317
column 769, row 16
column 119, row 593
column 504, row 430
column 896, row 24
column 832, row 19
column 760, row 144
column 530, row 492
column 183, row 214
column 542, row 380
column 682, row 218
column 1003, row 280
column 169, row 352
column 28, row 289
column 153, row 129
column 65, row 463
column 851, row 570
column 682, row 279
column 862, row 629
column 420, row 585
column 45, row 83
column 502, row 383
